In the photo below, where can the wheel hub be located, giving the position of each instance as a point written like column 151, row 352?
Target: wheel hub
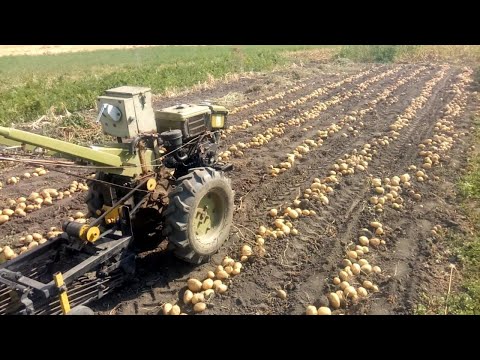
column 208, row 217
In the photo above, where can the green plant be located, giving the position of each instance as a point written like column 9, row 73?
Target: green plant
column 30, row 85
column 369, row 53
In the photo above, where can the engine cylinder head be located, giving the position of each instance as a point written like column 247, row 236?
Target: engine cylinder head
column 172, row 139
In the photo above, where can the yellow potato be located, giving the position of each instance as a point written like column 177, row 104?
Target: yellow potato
column 78, row 215
column 217, row 283
column 32, row 245
column 167, row 307
column 196, row 298
column 4, row 219
column 281, row 294
column 194, row 285
column 334, row 300
column 199, row 307
column 311, row 310
column 187, row 296
column 8, row 253
column 208, row 293
column 36, row 236
column 207, row 284
column 246, row 250
column 367, row 284
column 324, row 311
column 175, row 310
column 222, row 288
column 222, row 275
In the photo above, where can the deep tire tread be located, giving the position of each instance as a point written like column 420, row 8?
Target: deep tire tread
column 182, row 198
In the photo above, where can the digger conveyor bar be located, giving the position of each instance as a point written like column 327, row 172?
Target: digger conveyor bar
column 27, row 285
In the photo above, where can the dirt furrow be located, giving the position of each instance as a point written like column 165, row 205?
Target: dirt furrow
column 293, row 106
column 287, row 126
column 401, row 257
column 311, row 248
column 359, row 213
column 331, row 184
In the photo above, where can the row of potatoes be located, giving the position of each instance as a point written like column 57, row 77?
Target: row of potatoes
column 199, row 292
column 30, row 241
column 15, row 179
column 346, row 121
column 354, row 256
column 24, row 205
column 354, row 262
column 262, row 139
column 25, row 243
column 279, row 95
column 37, row 172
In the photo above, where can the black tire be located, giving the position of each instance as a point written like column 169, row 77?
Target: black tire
column 201, row 186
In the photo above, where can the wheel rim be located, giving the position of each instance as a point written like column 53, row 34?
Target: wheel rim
column 208, row 217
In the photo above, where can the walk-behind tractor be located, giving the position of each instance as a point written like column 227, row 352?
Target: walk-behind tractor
column 159, row 180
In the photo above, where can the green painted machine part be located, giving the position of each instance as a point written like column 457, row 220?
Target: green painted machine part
column 161, row 145
column 126, row 112
column 19, row 145
column 63, row 147
column 160, row 181
column 191, row 119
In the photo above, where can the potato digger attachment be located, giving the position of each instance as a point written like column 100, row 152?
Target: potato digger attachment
column 159, row 180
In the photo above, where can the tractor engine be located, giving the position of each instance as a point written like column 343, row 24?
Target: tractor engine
column 159, row 181
column 165, row 144
column 179, row 127
column 188, row 133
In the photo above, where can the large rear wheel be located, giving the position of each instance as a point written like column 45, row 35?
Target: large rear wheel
column 199, row 215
